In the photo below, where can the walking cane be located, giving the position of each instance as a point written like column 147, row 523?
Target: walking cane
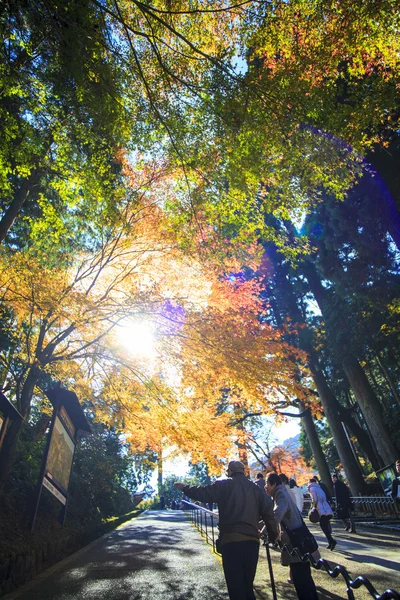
column 271, row 574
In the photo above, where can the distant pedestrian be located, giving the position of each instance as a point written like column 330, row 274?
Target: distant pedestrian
column 284, row 480
column 173, row 505
column 396, row 483
column 325, row 489
column 325, row 512
column 287, row 514
column 241, row 504
column 297, row 494
column 162, row 502
column 344, row 505
column 260, row 481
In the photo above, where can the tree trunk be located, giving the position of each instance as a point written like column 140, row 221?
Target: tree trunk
column 366, row 398
column 8, row 449
column 318, row 453
column 370, row 408
column 345, row 451
column 388, row 377
column 386, row 162
column 7, row 452
column 241, row 440
column 13, row 209
column 362, row 436
column 159, row 471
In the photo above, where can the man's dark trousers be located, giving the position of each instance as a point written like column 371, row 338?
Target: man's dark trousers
column 300, row 574
column 239, row 560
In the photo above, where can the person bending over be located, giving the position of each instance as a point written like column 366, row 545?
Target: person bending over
column 287, row 514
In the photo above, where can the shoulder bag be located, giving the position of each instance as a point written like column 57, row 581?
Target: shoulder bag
column 313, row 515
column 302, row 538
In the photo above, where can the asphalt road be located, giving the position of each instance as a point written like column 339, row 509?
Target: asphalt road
column 161, row 555
column 157, row 555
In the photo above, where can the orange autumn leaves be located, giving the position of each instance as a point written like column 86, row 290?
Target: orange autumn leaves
column 212, row 341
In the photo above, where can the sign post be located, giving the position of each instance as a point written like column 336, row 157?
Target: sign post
column 67, row 420
column 386, row 476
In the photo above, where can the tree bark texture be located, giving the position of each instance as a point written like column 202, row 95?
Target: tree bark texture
column 365, row 395
column 159, row 471
column 388, row 377
column 9, row 447
column 332, row 406
column 15, row 206
column 318, row 453
column 371, row 409
column 347, row 458
column 8, row 450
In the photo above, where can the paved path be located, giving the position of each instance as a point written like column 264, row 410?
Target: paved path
column 158, row 555
column 161, row 555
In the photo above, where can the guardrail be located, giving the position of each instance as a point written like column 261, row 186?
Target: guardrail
column 206, row 521
column 376, row 505
column 370, row 506
column 351, row 584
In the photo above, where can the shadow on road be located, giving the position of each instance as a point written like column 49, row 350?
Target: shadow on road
column 158, row 556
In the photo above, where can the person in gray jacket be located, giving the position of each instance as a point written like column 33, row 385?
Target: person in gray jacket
column 241, row 504
column 287, row 514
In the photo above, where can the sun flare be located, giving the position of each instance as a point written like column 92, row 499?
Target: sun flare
column 138, row 338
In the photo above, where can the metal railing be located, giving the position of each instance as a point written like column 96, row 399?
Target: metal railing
column 337, row 570
column 365, row 506
column 207, row 521
column 376, row 506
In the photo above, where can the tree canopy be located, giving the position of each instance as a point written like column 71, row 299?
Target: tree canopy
column 213, row 171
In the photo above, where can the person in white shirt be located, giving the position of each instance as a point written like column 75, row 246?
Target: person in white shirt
column 297, row 494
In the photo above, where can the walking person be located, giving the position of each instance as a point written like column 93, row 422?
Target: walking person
column 241, row 504
column 287, row 514
column 260, row 481
column 325, row 512
column 325, row 489
column 297, row 494
column 344, row 505
column 284, row 480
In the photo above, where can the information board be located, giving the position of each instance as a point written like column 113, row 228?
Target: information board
column 60, row 456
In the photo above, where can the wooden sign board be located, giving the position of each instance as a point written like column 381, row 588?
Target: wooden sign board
column 68, row 418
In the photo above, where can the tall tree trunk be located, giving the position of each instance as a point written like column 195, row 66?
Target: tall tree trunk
column 316, row 448
column 362, row 436
column 335, row 408
column 159, row 471
column 20, row 197
column 8, row 449
column 366, row 398
column 388, row 377
column 370, row 408
column 386, row 162
column 241, row 439
column 347, row 458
